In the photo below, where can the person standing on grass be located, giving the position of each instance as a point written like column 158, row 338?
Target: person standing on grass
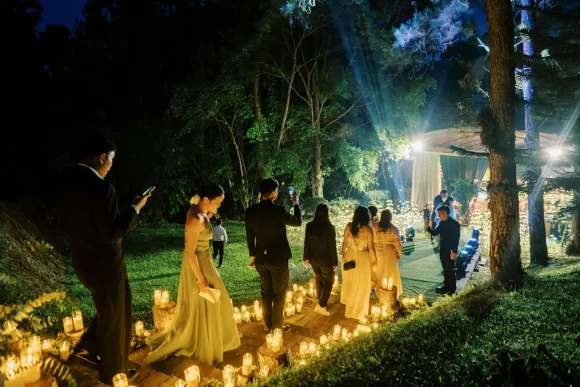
column 220, row 238
column 95, row 227
column 320, row 253
column 201, row 328
column 269, row 249
column 449, row 232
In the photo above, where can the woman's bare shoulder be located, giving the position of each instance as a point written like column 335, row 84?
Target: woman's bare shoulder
column 194, row 221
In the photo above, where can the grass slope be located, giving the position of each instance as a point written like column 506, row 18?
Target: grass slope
column 483, row 337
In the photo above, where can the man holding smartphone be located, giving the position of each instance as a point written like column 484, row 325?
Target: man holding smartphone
column 269, row 249
column 95, row 226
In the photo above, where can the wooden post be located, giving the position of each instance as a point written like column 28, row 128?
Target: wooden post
column 162, row 316
column 274, row 359
column 387, row 297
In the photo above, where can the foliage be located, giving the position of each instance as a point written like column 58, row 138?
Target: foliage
column 463, row 191
column 525, row 334
column 360, row 165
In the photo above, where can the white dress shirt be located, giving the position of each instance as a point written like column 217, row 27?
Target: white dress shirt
column 219, row 234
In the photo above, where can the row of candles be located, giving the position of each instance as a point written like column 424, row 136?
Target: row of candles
column 26, row 365
column 74, row 323
column 243, row 313
column 161, row 298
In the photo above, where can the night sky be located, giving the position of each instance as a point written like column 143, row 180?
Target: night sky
column 66, row 11
column 61, row 12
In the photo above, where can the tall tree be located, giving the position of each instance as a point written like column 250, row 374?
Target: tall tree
column 498, row 134
column 538, row 247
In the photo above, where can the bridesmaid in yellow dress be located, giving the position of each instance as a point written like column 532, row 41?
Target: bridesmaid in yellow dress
column 389, row 250
column 358, row 246
column 200, row 329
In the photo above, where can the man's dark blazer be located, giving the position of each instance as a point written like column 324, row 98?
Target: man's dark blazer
column 266, row 231
column 450, row 233
column 90, row 217
column 437, row 201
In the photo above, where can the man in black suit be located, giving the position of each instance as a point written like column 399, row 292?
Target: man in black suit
column 449, row 231
column 94, row 226
column 269, row 249
column 438, row 201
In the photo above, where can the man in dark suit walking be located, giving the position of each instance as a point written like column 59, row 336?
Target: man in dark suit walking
column 269, row 249
column 94, row 226
column 449, row 231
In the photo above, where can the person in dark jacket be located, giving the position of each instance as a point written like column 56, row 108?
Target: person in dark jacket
column 449, row 231
column 269, row 249
column 320, row 253
column 95, row 226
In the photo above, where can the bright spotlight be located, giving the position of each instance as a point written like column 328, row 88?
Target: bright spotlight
column 554, row 152
column 417, row 146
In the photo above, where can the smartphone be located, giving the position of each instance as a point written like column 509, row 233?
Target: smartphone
column 291, row 190
column 149, row 190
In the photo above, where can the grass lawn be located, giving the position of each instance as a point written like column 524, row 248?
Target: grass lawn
column 154, row 255
column 483, row 337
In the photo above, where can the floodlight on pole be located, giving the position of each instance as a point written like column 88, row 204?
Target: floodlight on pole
column 417, row 146
column 554, row 152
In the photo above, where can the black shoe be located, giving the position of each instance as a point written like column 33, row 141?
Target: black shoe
column 88, row 357
column 285, row 328
column 449, row 293
column 132, row 374
column 441, row 289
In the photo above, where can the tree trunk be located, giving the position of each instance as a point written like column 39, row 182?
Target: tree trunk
column 499, row 136
column 573, row 247
column 258, row 114
column 317, row 179
column 290, row 83
column 538, row 247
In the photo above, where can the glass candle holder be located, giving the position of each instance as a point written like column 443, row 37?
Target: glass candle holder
column 247, row 362
column 139, row 329
column 78, row 321
column 157, row 296
column 120, row 380
column 65, row 350
column 192, row 376
column 68, row 325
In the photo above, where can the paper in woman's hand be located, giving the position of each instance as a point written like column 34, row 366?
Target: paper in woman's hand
column 212, row 295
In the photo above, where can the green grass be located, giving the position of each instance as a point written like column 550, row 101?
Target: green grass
column 485, row 336
column 154, row 255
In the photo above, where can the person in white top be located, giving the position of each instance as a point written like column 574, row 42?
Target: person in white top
column 220, row 238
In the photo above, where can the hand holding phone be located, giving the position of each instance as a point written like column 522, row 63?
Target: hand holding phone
column 148, row 191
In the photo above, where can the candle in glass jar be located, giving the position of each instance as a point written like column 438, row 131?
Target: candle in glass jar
column 300, row 300
column 375, row 325
column 336, row 332
column 323, row 339
column 259, row 314
column 390, row 284
column 78, row 321
column 289, row 296
column 65, row 350
column 246, row 316
column 344, row 334
column 183, row 383
column 10, row 329
column 164, row 299
column 67, row 322
column 276, row 344
column 303, row 292
column 12, row 364
column 238, row 317
column 385, row 284
column 278, row 333
column 247, row 364
column 236, row 309
column 311, row 285
column 139, row 328
column 412, row 301
column 376, row 313
column 192, row 376
column 244, row 308
column 298, row 308
column 364, row 320
column 35, row 343
column 420, row 299
column 311, row 347
column 46, row 345
column 256, row 305
column 120, row 380
column 287, row 311
column 295, row 287
column 228, row 372
column 311, row 292
column 292, row 310
column 303, row 348
column 269, row 339
column 26, row 357
column 157, row 296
